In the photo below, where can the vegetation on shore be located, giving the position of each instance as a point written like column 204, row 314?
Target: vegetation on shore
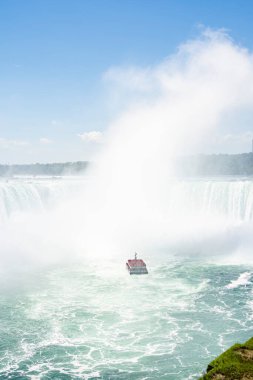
column 216, row 164
column 234, row 364
column 54, row 169
column 198, row 165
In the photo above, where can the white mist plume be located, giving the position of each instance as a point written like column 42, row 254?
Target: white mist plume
column 175, row 104
column 168, row 110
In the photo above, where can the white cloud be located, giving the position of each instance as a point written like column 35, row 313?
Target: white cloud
column 231, row 142
column 8, row 143
column 45, row 140
column 56, row 122
column 92, row 136
column 236, row 137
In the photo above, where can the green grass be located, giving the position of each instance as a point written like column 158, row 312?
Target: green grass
column 231, row 364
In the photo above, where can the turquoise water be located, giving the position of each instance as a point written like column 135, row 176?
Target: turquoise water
column 96, row 322
column 63, row 316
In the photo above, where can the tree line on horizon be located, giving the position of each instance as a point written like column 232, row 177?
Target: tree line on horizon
column 195, row 165
column 52, row 169
column 216, row 164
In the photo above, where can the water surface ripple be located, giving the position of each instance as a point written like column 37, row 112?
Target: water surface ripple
column 92, row 322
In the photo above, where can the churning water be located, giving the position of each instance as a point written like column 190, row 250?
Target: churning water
column 88, row 319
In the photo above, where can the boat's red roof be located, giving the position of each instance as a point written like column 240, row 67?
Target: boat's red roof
column 136, row 263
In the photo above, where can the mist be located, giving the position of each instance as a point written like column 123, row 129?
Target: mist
column 169, row 109
column 131, row 200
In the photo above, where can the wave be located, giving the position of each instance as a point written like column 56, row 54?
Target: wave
column 242, row 280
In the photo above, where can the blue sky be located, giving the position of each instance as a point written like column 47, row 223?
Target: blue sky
column 54, row 54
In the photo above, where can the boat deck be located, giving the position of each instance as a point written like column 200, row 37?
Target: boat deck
column 136, row 266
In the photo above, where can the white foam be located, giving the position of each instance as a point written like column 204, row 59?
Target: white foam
column 242, row 280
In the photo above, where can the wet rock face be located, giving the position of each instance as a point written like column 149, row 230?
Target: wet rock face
column 234, row 364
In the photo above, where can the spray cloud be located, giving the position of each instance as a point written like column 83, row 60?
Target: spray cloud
column 173, row 106
column 168, row 109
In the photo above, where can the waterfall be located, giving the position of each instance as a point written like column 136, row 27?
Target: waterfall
column 192, row 216
column 232, row 199
column 35, row 195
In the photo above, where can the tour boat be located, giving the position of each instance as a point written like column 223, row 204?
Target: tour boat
column 136, row 266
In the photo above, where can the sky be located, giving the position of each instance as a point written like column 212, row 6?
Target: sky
column 56, row 100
